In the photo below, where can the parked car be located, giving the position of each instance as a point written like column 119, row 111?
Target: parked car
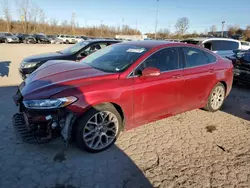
column 118, row 88
column 73, row 53
column 221, row 46
column 8, row 38
column 67, row 39
column 21, row 37
column 245, row 45
column 241, row 63
column 79, row 39
column 41, row 38
column 54, row 39
column 29, row 40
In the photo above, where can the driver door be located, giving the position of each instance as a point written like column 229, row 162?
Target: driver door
column 158, row 96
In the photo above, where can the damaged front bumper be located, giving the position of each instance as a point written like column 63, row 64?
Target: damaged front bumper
column 39, row 126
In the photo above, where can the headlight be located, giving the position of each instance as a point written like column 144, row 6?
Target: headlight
column 49, row 103
column 29, row 65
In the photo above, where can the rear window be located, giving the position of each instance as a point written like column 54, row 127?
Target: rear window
column 219, row 45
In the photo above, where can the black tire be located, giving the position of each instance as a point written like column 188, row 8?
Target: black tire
column 6, row 41
column 208, row 106
column 82, row 122
column 67, row 42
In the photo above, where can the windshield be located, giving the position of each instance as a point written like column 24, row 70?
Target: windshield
column 115, row 58
column 75, row 48
column 8, row 34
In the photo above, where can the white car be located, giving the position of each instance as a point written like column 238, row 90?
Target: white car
column 221, row 46
column 245, row 45
column 68, row 39
column 78, row 39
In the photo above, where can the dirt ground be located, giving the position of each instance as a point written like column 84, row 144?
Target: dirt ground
column 193, row 149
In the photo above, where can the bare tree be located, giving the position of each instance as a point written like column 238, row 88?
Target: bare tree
column 247, row 32
column 182, row 25
column 7, row 15
column 163, row 33
column 213, row 29
column 23, row 9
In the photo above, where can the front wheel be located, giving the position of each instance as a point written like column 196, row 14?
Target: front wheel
column 99, row 128
column 216, row 98
column 6, row 41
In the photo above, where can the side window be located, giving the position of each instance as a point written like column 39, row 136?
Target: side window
column 165, row 60
column 210, row 58
column 219, row 45
column 194, row 57
column 246, row 57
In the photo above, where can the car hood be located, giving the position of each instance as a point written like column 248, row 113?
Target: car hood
column 56, row 76
column 44, row 57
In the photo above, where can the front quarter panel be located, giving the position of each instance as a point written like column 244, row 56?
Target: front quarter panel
column 117, row 91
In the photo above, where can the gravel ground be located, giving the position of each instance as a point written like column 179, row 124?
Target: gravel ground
column 193, row 149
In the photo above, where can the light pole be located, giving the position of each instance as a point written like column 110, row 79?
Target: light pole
column 156, row 18
column 222, row 32
column 101, row 26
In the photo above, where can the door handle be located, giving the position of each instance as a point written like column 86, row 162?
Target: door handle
column 211, row 70
column 176, row 76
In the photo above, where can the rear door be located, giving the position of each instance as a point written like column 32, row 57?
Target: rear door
column 199, row 75
column 159, row 95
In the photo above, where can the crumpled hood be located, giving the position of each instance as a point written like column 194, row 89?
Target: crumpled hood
column 56, row 76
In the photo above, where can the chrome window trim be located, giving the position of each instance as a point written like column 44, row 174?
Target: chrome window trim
column 184, row 68
column 130, row 75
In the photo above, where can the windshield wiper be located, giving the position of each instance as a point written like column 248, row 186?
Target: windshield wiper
column 59, row 52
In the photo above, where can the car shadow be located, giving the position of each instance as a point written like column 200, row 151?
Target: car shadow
column 4, row 68
column 65, row 166
column 238, row 102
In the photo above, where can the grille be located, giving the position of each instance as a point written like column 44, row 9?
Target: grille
column 21, row 129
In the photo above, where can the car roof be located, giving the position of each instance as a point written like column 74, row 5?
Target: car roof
column 149, row 43
column 101, row 40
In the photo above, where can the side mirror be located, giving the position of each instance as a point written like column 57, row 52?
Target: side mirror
column 150, row 72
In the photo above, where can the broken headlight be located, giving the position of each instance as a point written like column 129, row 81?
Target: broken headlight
column 49, row 103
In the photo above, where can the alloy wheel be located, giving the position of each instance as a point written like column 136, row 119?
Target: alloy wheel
column 100, row 130
column 217, row 97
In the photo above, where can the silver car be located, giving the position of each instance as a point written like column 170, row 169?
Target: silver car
column 8, row 38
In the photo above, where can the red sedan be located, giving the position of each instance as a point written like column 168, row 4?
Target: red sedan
column 118, row 88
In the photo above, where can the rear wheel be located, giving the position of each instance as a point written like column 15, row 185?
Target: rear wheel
column 67, row 42
column 99, row 128
column 216, row 98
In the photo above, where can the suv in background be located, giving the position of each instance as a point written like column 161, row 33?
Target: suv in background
column 245, row 45
column 8, row 38
column 68, row 39
column 221, row 46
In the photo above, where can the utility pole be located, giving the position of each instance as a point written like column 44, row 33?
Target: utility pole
column 136, row 25
column 156, row 18
column 101, row 26
column 222, row 32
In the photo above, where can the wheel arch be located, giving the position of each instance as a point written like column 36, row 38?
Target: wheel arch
column 115, row 105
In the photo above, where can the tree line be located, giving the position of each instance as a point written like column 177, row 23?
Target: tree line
column 32, row 19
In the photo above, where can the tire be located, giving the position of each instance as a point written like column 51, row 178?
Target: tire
column 67, row 42
column 39, row 42
column 86, row 130
column 217, row 94
column 6, row 41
